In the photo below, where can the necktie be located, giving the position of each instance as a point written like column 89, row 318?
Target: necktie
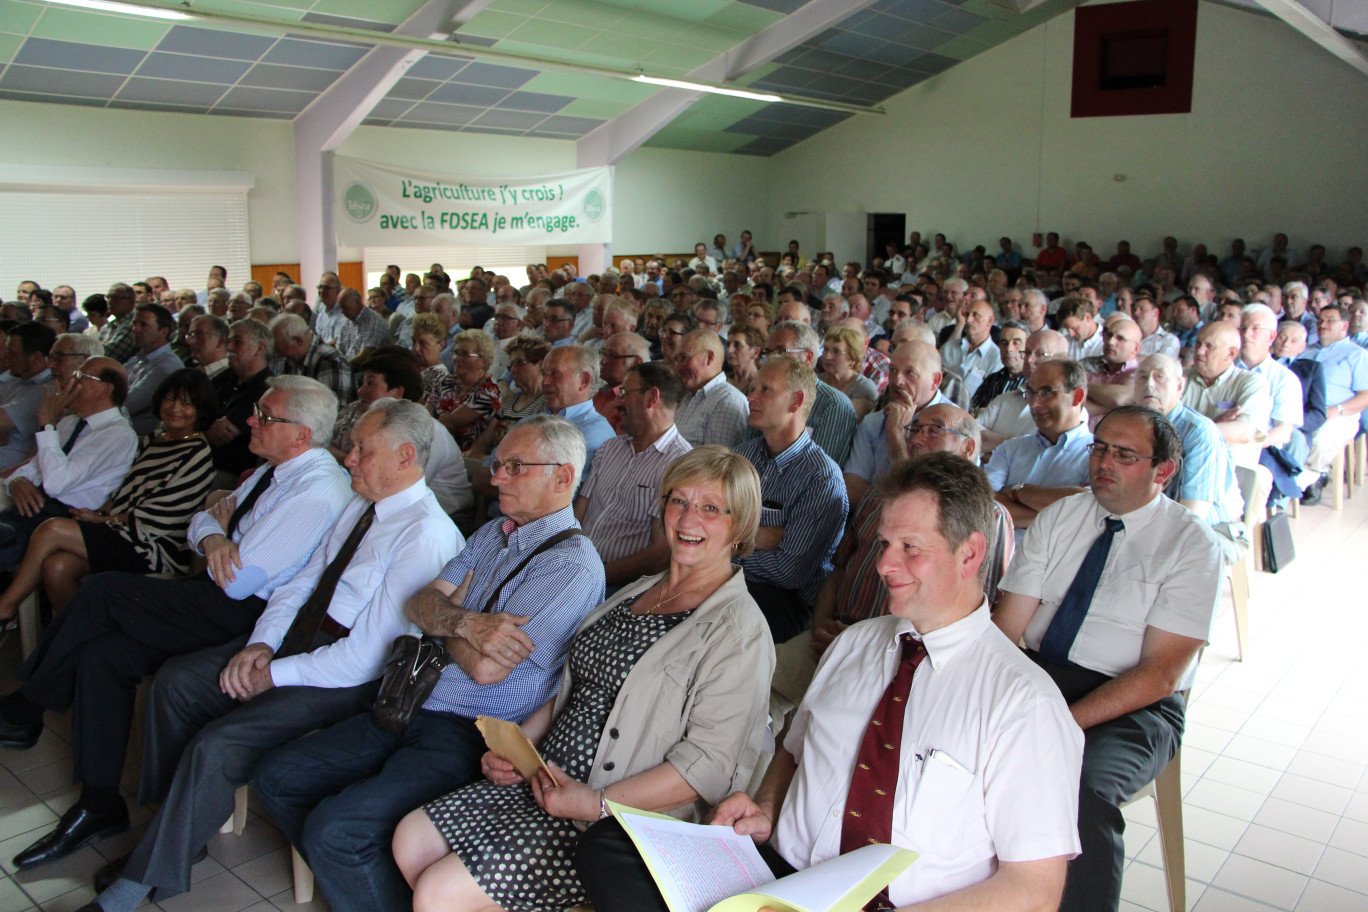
column 75, row 432
column 300, row 637
column 874, row 783
column 1059, row 636
column 252, row 497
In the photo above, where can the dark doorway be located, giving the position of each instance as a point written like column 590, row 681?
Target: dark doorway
column 884, row 228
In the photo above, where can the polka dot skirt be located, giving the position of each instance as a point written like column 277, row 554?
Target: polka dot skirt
column 522, row 857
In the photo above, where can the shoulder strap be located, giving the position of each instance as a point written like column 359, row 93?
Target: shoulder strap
column 544, row 546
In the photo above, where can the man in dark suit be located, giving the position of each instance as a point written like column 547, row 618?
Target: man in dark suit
column 249, row 350
column 1291, row 342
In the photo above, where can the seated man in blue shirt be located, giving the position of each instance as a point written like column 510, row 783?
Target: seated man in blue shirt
column 507, row 606
column 1346, row 386
column 1029, row 473
column 803, row 498
column 1205, row 482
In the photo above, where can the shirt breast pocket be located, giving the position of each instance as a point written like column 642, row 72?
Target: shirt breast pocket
column 947, row 816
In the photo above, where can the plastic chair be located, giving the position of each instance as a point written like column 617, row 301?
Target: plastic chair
column 1167, row 792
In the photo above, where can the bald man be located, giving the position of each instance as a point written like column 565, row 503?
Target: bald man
column 713, row 411
column 1111, row 375
column 1009, row 415
column 1237, row 400
column 914, row 378
column 970, row 348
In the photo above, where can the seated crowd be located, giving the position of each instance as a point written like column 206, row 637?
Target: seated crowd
column 940, row 538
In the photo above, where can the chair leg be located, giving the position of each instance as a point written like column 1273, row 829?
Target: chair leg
column 1169, row 798
column 28, row 625
column 1337, row 482
column 303, row 878
column 1360, row 460
column 1239, row 595
column 1296, row 506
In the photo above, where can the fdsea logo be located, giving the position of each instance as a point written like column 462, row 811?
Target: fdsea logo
column 359, row 203
column 594, row 205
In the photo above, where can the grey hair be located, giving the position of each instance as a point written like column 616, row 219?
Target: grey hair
column 259, row 332
column 81, row 344
column 217, row 325
column 446, row 299
column 845, row 305
column 1035, row 294
column 406, row 422
column 955, row 283
column 924, row 332
column 1014, row 324
column 216, row 293
column 310, row 404
column 561, row 442
column 517, row 309
column 804, row 336
column 1293, row 287
column 292, row 326
column 1259, row 310
column 586, row 361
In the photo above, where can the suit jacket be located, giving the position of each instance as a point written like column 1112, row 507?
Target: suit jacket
column 237, row 400
column 1312, row 378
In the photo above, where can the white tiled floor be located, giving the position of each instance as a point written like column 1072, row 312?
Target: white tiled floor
column 1276, row 797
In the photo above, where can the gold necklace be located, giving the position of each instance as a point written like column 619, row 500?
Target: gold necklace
column 664, row 601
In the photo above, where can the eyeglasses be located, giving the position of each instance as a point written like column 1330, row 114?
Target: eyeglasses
column 263, row 418
column 616, row 357
column 672, row 332
column 1045, row 392
column 514, row 467
column 551, row 319
column 461, row 354
column 53, row 356
column 82, row 375
column 518, row 362
column 1123, row 456
column 780, row 350
column 934, row 431
column 707, row 511
column 624, row 390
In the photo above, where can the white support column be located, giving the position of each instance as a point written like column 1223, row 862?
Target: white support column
column 614, row 140
column 1318, row 30
column 327, row 122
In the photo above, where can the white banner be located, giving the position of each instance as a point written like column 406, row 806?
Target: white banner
column 381, row 206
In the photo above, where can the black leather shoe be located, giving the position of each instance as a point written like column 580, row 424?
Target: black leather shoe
column 78, row 826
column 16, row 736
column 1312, row 495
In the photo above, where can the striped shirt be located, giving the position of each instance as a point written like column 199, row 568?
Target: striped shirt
column 802, row 491
column 557, row 589
column 281, row 531
column 623, row 491
column 861, row 593
column 326, row 365
column 717, row 413
column 165, row 487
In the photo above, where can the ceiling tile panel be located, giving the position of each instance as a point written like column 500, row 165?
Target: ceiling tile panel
column 60, row 82
column 925, row 37
column 492, row 23
column 492, row 74
column 273, row 75
column 253, row 99
column 862, row 68
column 535, row 101
column 437, row 66
column 478, row 96
column 91, row 58
column 413, row 89
column 348, row 22
column 98, row 28
column 186, row 39
column 508, row 120
column 778, row 6
column 390, row 108
column 390, row 11
column 47, row 98
column 18, row 18
column 431, row 112
column 913, row 10
column 895, row 54
column 563, row 124
column 171, row 91
column 320, row 54
column 9, row 46
column 161, row 65
column 157, row 106
column 957, row 20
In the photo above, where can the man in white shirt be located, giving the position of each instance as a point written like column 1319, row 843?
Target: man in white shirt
column 973, row 353
column 1157, row 340
column 1113, row 592
column 978, row 769
column 311, row 661
column 122, row 626
column 1078, row 319
column 85, row 447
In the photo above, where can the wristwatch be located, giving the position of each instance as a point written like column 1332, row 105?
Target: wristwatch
column 603, row 804
column 1015, row 488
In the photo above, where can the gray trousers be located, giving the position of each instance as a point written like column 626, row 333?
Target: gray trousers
column 201, row 744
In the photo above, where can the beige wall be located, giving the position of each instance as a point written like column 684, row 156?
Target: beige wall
column 1275, row 141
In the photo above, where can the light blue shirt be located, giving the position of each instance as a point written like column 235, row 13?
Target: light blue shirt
column 1345, row 366
column 869, row 453
column 1285, row 388
column 145, row 373
column 288, row 522
column 20, row 399
column 1208, row 470
column 592, row 425
column 1034, row 460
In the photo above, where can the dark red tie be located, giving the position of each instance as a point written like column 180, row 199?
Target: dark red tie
column 874, row 784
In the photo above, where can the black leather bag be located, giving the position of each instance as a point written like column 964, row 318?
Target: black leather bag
column 1278, row 549
column 411, row 672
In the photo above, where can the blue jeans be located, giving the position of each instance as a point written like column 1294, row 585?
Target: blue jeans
column 338, row 794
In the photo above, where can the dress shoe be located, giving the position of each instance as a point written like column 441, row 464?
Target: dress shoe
column 78, row 826
column 19, row 736
column 1312, row 495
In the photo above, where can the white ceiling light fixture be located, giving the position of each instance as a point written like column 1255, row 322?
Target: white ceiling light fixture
column 127, row 9
column 704, row 87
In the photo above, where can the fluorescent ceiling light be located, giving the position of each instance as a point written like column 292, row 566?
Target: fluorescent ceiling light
column 128, row 9
column 702, row 87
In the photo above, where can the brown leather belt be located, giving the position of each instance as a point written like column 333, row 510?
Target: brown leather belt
column 332, row 628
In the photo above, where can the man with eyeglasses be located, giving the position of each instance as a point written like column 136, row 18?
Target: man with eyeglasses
column 328, row 321
column 1113, row 592
column 1205, row 482
column 1111, row 375
column 558, row 324
column 208, row 344
column 120, row 627
column 507, row 606
column 914, row 378
column 619, row 505
column 682, row 297
column 69, row 352
column 1033, row 471
column 623, row 351
column 854, row 591
column 64, row 296
column 84, row 447
column 117, row 334
column 1345, row 366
